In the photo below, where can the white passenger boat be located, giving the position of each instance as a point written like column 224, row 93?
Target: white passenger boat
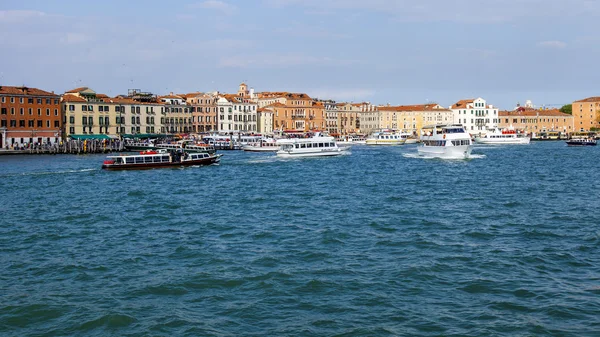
column 351, row 140
column 159, row 159
column 385, row 138
column 316, row 146
column 446, row 142
column 501, row 137
column 187, row 146
column 264, row 145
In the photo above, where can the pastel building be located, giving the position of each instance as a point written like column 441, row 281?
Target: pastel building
column 586, row 114
column 531, row 120
column 236, row 113
column 264, row 121
column 204, row 111
column 475, row 115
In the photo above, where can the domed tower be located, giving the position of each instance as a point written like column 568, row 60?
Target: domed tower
column 243, row 91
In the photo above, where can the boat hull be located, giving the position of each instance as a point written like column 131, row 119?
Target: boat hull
column 385, row 141
column 503, row 141
column 445, row 152
column 322, row 153
column 571, row 143
column 147, row 166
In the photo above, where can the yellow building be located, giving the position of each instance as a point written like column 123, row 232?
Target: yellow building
column 534, row 120
column 586, row 114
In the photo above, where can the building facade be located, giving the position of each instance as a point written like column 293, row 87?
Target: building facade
column 236, row 114
column 475, row 115
column 586, row 114
column 204, row 112
column 28, row 116
column 264, row 122
column 537, row 120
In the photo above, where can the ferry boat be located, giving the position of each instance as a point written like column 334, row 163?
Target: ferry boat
column 351, row 140
column 501, row 137
column 222, row 142
column 446, row 142
column 385, row 138
column 316, row 146
column 159, row 159
column 187, row 146
column 139, row 146
column 581, row 142
column 264, row 145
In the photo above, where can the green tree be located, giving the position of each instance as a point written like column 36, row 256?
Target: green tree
column 568, row 109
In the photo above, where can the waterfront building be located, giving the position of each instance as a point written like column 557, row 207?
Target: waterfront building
column 348, row 121
column 295, row 112
column 586, row 114
column 368, row 118
column 331, row 117
column 475, row 115
column 264, row 121
column 176, row 115
column 204, row 111
column 236, row 113
column 536, row 120
column 412, row 118
column 28, row 115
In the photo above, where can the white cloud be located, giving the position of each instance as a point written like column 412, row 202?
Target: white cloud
column 552, row 44
column 341, row 94
column 14, row 16
column 220, row 6
column 74, row 38
column 277, row 60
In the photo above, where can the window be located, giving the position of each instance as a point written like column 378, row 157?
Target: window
column 3, row 123
column 21, row 100
column 47, row 112
column 22, row 123
column 30, row 100
column 84, row 120
column 30, row 111
column 13, row 123
column 39, row 101
column 12, row 111
column 12, row 99
column 84, row 108
column 3, row 110
column 47, row 100
column 30, row 123
column 72, row 120
column 39, row 112
column 55, row 112
column 22, row 111
column 90, row 107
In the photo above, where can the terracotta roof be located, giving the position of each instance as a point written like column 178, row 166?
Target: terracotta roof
column 72, row 98
column 417, row 107
column 589, row 99
column 534, row 112
column 102, row 96
column 462, row 103
column 76, row 90
column 284, row 94
column 276, row 105
column 9, row 90
column 170, row 97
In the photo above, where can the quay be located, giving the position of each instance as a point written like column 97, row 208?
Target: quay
column 68, row 147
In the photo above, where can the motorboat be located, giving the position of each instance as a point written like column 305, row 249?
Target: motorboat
column 446, row 142
column 351, row 140
column 385, row 138
column 581, row 142
column 316, row 146
column 187, row 146
column 150, row 159
column 501, row 137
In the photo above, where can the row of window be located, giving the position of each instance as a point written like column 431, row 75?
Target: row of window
column 30, row 123
column 4, row 111
column 31, row 100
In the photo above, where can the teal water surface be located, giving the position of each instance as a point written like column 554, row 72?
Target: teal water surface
column 376, row 243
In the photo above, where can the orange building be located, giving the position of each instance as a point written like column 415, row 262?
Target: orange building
column 204, row 111
column 296, row 112
column 27, row 116
column 535, row 121
column 586, row 114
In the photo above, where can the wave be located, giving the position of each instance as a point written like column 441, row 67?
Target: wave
column 47, row 172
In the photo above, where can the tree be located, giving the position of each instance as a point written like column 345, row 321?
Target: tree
column 568, row 109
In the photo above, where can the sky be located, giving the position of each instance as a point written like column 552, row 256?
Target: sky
column 381, row 51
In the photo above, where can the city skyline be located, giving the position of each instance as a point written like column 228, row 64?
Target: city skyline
column 379, row 51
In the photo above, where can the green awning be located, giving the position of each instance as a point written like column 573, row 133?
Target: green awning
column 84, row 137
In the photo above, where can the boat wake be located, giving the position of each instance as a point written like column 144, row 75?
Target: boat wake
column 416, row 155
column 47, row 173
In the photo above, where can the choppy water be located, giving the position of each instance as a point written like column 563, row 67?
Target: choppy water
column 372, row 244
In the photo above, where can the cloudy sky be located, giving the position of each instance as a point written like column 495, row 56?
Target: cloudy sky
column 382, row 51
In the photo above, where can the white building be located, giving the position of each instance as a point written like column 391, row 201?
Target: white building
column 236, row 114
column 475, row 115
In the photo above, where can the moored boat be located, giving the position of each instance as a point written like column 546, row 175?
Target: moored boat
column 316, row 146
column 159, row 159
column 264, row 145
column 502, row 137
column 446, row 142
column 385, row 138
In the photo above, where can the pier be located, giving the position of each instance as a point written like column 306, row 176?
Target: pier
column 68, row 147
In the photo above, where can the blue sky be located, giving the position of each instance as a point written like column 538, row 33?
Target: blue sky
column 382, row 51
